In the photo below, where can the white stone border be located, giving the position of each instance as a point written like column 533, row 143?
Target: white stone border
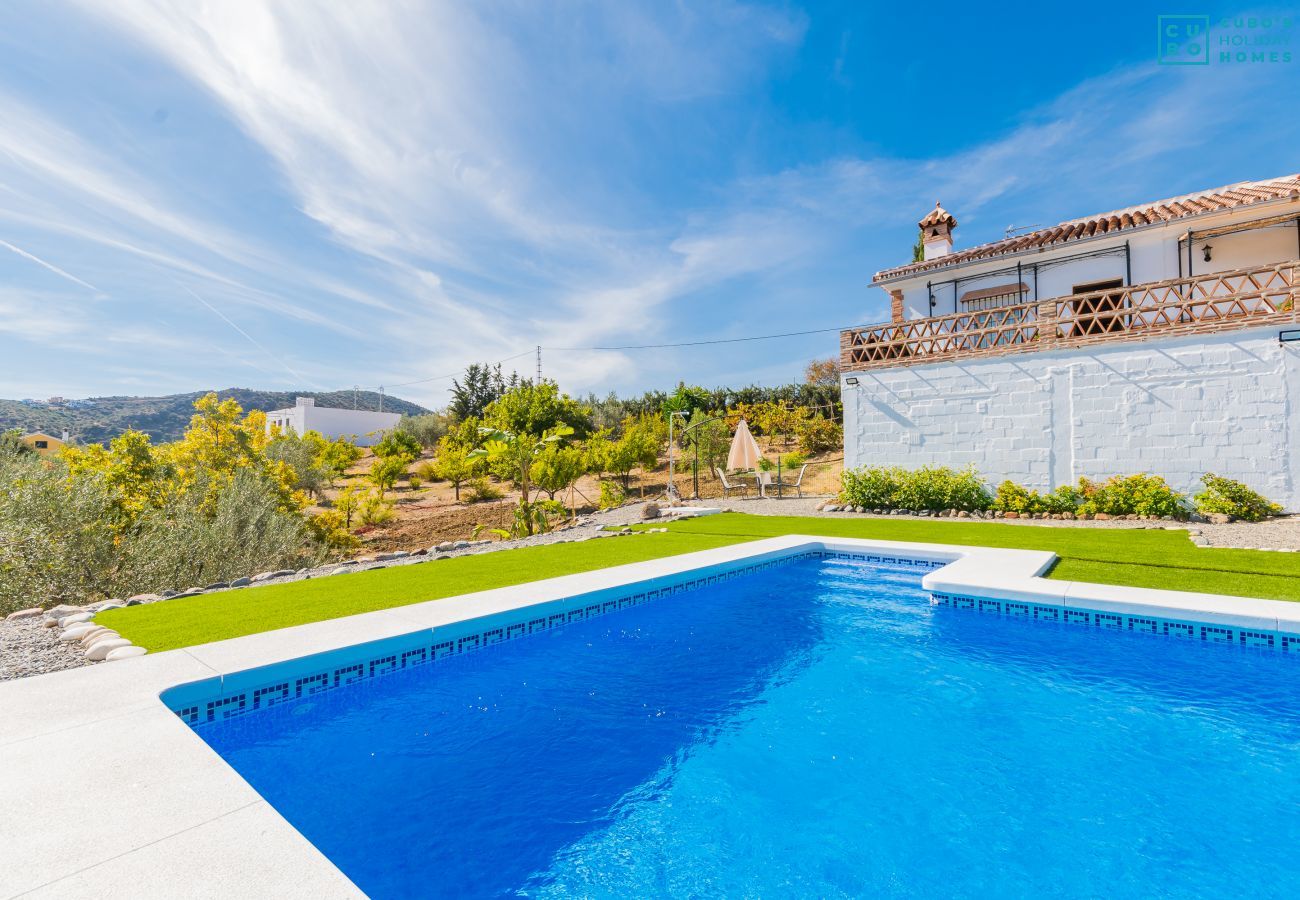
column 104, row 790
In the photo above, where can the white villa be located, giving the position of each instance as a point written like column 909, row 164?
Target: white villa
column 362, row 426
column 1158, row 338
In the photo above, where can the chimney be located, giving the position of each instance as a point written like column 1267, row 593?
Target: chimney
column 936, row 232
column 306, row 401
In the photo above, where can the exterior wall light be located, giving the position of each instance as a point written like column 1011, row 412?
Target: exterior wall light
column 854, row 381
column 1208, row 248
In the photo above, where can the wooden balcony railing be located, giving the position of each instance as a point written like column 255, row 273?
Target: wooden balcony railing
column 1231, row 299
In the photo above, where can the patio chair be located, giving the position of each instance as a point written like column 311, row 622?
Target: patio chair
column 797, row 484
column 727, row 486
column 764, row 480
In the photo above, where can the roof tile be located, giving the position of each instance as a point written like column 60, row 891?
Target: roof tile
column 1245, row 193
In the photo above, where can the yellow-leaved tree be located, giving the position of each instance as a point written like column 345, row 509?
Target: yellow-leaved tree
column 221, row 441
column 138, row 474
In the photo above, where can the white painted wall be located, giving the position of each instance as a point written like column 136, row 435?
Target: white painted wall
column 363, row 427
column 1223, row 403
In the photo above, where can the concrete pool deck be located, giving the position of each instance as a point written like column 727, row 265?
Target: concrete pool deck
column 108, row 792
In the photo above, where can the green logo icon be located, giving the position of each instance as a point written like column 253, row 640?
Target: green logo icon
column 1183, row 40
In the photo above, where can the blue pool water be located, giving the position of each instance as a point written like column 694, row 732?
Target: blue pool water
column 816, row 729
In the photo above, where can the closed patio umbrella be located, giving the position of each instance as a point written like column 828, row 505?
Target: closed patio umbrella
column 744, row 449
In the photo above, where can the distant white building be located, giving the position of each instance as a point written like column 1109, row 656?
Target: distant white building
column 362, row 426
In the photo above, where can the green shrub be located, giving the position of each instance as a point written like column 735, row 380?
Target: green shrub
column 611, row 495
column 414, row 480
column 1223, row 495
column 427, row 471
column 1125, row 495
column 1065, row 499
column 871, row 486
column 480, row 490
column 817, row 435
column 794, row 460
column 930, row 488
column 1011, row 497
column 398, row 444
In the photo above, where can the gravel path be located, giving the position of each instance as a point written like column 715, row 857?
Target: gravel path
column 29, row 648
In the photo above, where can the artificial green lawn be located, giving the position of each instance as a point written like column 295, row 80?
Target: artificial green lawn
column 1142, row 558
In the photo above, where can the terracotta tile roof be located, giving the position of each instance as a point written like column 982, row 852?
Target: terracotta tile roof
column 938, row 216
column 1245, row 193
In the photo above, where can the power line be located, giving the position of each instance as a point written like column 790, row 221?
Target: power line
column 703, row 343
column 458, row 372
column 739, row 340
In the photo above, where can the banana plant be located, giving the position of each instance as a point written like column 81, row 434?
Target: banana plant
column 519, row 451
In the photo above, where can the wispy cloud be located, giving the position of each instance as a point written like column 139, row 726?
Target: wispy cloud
column 383, row 192
column 48, row 265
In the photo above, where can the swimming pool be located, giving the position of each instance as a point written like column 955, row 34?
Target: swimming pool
column 808, row 727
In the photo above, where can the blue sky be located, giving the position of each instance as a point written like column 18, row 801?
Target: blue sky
column 319, row 194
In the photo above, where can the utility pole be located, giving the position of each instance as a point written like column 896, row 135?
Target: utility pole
column 539, row 363
column 355, row 388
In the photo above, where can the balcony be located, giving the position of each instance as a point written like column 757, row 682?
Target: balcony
column 1202, row 303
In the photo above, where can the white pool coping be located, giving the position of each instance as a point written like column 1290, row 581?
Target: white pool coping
column 105, row 791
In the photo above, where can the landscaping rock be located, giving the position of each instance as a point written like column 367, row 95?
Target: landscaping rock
column 167, row 595
column 217, row 586
column 1219, row 518
column 278, row 573
column 90, row 635
column 76, row 632
column 446, row 547
column 24, row 614
column 144, row 598
column 421, row 552
column 107, row 606
column 101, row 649
column 1011, row 514
column 241, row 582
column 62, row 610
column 124, row 653
column 75, row 619
column 460, row 545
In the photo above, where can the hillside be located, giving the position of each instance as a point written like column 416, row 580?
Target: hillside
column 164, row 418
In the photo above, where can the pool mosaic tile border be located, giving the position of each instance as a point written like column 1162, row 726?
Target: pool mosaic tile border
column 1143, row 624
column 424, row 647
